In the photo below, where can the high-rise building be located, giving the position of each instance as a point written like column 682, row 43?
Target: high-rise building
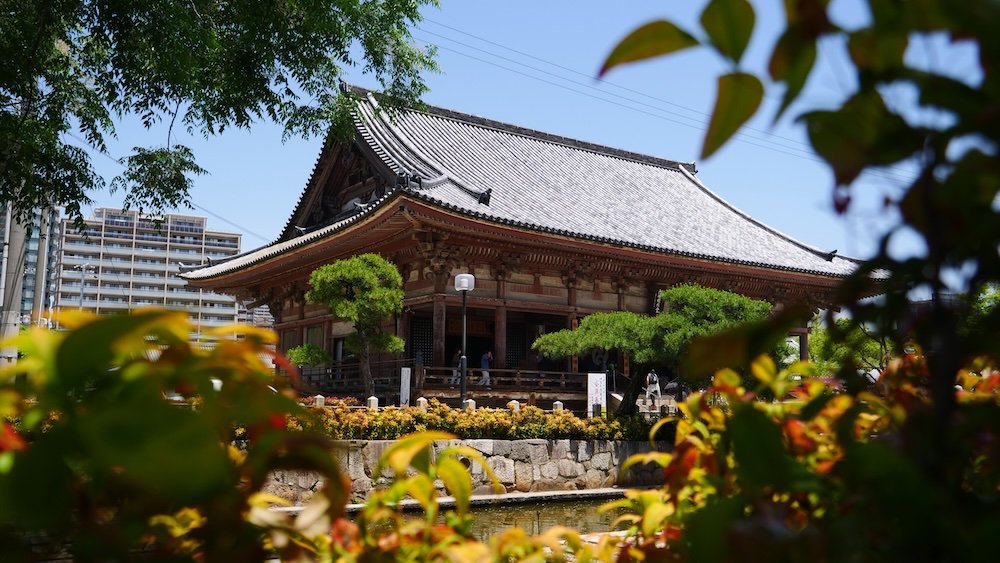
column 124, row 260
column 33, row 263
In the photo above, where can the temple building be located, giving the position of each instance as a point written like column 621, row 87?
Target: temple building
column 553, row 229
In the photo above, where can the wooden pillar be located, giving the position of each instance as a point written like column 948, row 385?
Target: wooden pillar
column 500, row 337
column 804, row 345
column 403, row 331
column 439, row 332
column 571, row 323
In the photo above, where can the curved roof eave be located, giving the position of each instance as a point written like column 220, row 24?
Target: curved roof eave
column 264, row 254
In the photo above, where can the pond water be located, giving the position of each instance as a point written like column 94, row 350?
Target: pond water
column 535, row 518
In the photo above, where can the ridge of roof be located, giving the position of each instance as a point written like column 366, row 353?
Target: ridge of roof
column 511, row 128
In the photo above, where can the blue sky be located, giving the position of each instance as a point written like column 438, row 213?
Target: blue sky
column 533, row 64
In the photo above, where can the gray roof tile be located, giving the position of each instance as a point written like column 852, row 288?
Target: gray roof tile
column 554, row 184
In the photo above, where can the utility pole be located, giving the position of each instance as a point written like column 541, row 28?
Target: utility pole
column 13, row 283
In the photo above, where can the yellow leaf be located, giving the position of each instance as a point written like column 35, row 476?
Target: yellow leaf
column 763, row 369
column 654, row 516
column 402, row 453
column 457, row 480
column 660, row 458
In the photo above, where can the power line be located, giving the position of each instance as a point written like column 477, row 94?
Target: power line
column 604, row 81
column 887, row 173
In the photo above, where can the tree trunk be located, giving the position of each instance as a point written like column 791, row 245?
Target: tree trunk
column 365, row 366
column 631, row 396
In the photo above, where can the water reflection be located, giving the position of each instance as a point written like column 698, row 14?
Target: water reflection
column 537, row 517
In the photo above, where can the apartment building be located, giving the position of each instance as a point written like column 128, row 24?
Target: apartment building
column 124, row 260
column 32, row 264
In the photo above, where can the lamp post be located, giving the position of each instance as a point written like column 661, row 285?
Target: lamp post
column 83, row 276
column 464, row 283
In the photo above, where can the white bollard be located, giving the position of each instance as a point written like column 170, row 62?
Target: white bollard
column 320, row 400
column 470, row 405
column 514, row 406
column 373, row 404
column 557, row 406
column 422, row 404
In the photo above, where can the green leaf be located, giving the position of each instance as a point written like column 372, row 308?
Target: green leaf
column 739, row 96
column 708, row 527
column 146, row 454
column 862, row 133
column 456, row 479
column 878, row 52
column 729, row 24
column 38, row 490
column 791, row 62
column 88, row 352
column 653, row 39
column 761, row 459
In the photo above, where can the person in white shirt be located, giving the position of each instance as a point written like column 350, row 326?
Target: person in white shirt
column 652, row 384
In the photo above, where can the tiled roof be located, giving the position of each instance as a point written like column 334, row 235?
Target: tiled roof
column 554, row 184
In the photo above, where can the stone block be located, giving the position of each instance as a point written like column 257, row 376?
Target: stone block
column 568, row 468
column 362, row 486
column 560, row 449
column 548, row 485
column 533, row 451
column 584, row 450
column 501, row 447
column 610, row 480
column 601, row 461
column 503, row 468
column 524, row 476
column 485, row 489
column 594, row 479
column 483, row 446
column 371, row 452
column 549, row 470
column 308, row 481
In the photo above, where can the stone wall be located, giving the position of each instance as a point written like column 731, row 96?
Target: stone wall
column 520, row 465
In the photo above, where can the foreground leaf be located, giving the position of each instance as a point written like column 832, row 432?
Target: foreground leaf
column 739, row 96
column 654, row 39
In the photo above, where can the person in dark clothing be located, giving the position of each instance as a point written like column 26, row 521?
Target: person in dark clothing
column 485, row 363
column 456, row 361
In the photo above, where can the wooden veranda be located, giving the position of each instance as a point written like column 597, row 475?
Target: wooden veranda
column 529, row 387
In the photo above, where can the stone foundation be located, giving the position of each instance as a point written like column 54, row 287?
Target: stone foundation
column 520, row 465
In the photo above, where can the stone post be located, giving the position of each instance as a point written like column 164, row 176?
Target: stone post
column 514, row 406
column 422, row 404
column 373, row 404
column 320, row 400
column 470, row 405
column 557, row 406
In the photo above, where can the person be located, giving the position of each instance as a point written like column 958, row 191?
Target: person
column 652, row 384
column 485, row 363
column 456, row 374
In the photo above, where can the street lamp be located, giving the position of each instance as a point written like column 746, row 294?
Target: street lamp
column 83, row 276
column 464, row 283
